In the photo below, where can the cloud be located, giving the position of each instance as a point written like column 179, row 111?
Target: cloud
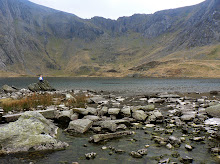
column 113, row 8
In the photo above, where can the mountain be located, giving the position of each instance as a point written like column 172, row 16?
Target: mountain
column 183, row 42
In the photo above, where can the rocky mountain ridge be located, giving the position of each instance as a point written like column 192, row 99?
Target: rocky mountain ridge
column 36, row 39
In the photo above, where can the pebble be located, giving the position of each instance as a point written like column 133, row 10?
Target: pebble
column 135, row 154
column 169, row 146
column 91, row 155
column 188, row 147
column 104, row 147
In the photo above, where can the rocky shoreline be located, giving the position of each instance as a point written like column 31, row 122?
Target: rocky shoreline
column 111, row 116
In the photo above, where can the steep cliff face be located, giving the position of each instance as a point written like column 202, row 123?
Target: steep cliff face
column 36, row 39
column 26, row 29
column 203, row 26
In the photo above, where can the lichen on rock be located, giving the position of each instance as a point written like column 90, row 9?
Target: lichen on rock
column 30, row 132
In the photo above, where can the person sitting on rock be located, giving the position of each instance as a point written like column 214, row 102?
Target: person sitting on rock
column 40, row 78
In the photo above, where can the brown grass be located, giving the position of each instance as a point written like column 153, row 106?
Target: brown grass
column 79, row 101
column 31, row 102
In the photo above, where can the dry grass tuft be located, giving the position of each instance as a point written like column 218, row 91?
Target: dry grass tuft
column 31, row 102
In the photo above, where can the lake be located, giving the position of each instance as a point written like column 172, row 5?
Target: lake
column 122, row 85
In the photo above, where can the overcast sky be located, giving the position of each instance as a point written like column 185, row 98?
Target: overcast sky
column 113, row 8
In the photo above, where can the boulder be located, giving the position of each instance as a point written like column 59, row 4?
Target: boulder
column 41, row 86
column 139, row 115
column 64, row 117
column 214, row 111
column 212, row 121
column 126, row 111
column 30, row 131
column 75, row 116
column 174, row 140
column 80, row 125
column 149, row 107
column 113, row 111
column 156, row 115
column 8, row 89
column 103, row 111
column 49, row 113
column 188, row 117
column 82, row 111
column 92, row 110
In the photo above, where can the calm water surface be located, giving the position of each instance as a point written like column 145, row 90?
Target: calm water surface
column 124, row 85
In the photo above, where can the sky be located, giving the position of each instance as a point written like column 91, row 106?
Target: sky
column 113, row 9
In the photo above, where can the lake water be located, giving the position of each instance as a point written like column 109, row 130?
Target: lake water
column 123, row 85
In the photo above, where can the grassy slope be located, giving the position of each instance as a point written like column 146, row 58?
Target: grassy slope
column 79, row 58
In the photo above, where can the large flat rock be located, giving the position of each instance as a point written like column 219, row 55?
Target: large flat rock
column 213, row 111
column 80, row 125
column 30, row 131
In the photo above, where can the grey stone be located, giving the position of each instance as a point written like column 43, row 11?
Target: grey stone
column 149, row 107
column 188, row 147
column 135, row 154
column 213, row 121
column 142, row 151
column 214, row 111
column 121, row 126
column 188, row 117
column 100, row 137
column 103, row 111
column 96, row 129
column 198, row 138
column 92, row 118
column 69, row 96
column 174, row 140
column 156, row 100
column 74, row 116
column 139, row 115
column 186, row 159
column 126, row 111
column 64, row 117
column 91, row 155
column 92, row 110
column 49, row 113
column 80, row 125
column 113, row 111
column 41, row 86
column 82, row 111
column 8, row 89
column 164, row 161
column 160, row 140
column 215, row 150
column 31, row 130
column 169, row 146
column 97, row 99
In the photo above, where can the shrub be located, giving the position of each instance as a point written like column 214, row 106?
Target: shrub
column 31, row 102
